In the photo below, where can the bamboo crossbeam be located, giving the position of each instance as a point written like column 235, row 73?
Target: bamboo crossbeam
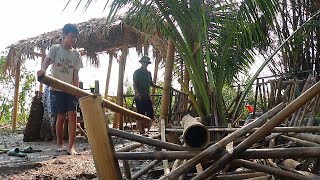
column 65, row 87
column 145, row 140
column 297, row 129
column 308, row 137
column 263, row 131
column 269, row 170
column 269, row 153
column 144, row 170
column 213, row 149
column 300, row 142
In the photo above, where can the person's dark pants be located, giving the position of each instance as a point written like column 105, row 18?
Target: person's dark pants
column 144, row 107
column 62, row 102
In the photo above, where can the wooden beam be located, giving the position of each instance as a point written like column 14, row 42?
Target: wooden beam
column 101, row 147
column 16, row 96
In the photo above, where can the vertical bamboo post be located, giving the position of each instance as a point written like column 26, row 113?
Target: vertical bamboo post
column 43, row 56
column 96, row 87
column 97, row 131
column 155, row 77
column 255, row 99
column 108, row 76
column 119, row 117
column 165, row 100
column 166, row 168
column 16, row 96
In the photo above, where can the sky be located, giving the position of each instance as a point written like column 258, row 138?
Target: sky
column 22, row 19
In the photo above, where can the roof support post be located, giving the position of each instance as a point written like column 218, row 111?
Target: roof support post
column 108, row 75
column 43, row 56
column 16, row 96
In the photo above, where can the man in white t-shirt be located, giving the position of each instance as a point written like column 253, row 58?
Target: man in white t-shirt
column 66, row 62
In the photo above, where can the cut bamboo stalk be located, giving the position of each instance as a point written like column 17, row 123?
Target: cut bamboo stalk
column 263, row 131
column 176, row 163
column 43, row 53
column 313, row 112
column 145, row 140
column 195, row 134
column 135, row 145
column 308, row 137
column 166, row 168
column 16, row 96
column 268, row 153
column 290, row 163
column 144, row 170
column 213, row 149
column 255, row 99
column 300, row 142
column 122, row 64
column 65, row 87
column 155, row 77
column 106, row 91
column 269, row 170
column 102, row 149
column 126, row 169
column 238, row 176
column 297, row 129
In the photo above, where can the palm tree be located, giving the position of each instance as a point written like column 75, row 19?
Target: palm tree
column 215, row 39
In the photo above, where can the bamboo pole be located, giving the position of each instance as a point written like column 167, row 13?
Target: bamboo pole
column 145, row 140
column 263, row 131
column 135, row 145
column 165, row 100
column 296, row 129
column 16, row 96
column 126, row 169
column 195, row 134
column 269, row 153
column 213, row 149
column 308, row 137
column 102, row 148
column 43, row 56
column 58, row 84
column 118, row 121
column 300, row 142
column 155, row 77
column 238, row 176
column 144, row 170
column 166, row 168
column 269, row 170
column 108, row 76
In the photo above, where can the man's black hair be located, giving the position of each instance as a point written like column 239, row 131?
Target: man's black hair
column 70, row 28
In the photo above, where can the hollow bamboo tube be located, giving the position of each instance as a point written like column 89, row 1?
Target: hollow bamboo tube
column 195, row 134
column 300, row 142
column 308, row 137
column 144, row 170
column 213, row 149
column 166, row 168
column 134, row 145
column 145, row 140
column 65, row 87
column 97, row 131
column 238, row 176
column 263, row 131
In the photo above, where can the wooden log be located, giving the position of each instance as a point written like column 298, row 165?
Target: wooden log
column 213, row 149
column 269, row 170
column 297, row 129
column 16, row 96
column 144, row 170
column 195, row 134
column 263, row 131
column 65, row 87
column 102, row 149
column 145, row 140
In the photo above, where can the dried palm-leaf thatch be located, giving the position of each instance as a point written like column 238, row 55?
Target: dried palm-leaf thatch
column 95, row 36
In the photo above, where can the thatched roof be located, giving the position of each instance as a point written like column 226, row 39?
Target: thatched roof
column 95, row 36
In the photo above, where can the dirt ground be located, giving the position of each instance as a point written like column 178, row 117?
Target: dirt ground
column 50, row 164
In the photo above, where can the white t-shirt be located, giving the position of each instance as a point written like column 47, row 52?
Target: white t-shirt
column 64, row 62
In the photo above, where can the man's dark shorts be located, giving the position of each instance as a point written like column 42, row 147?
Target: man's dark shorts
column 144, row 107
column 62, row 102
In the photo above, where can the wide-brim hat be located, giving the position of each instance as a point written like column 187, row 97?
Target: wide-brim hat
column 145, row 59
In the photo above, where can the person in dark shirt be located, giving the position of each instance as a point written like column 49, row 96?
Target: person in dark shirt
column 142, row 81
